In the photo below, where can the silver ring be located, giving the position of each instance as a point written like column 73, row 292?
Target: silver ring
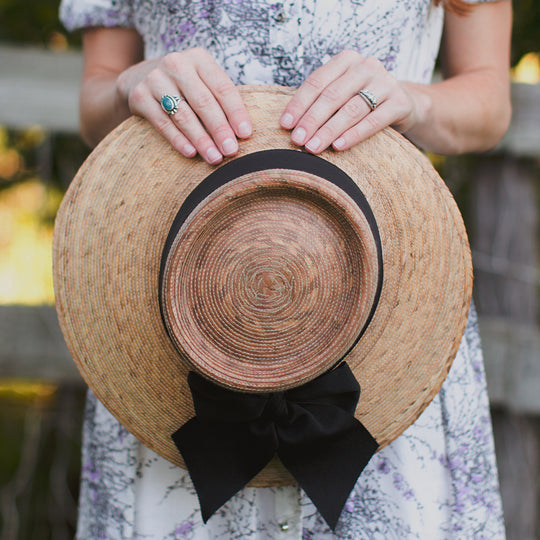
column 170, row 103
column 369, row 98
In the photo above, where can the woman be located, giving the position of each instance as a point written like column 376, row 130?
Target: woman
column 359, row 65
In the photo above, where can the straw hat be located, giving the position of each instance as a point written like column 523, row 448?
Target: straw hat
column 265, row 276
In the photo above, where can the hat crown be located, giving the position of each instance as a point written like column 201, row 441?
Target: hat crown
column 272, row 277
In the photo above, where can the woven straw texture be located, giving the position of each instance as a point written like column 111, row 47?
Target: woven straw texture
column 270, row 280
column 110, row 233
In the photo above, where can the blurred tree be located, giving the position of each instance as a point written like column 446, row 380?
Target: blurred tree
column 526, row 37
column 31, row 22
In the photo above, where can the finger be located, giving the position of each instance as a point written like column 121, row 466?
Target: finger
column 211, row 115
column 314, row 85
column 228, row 96
column 337, row 96
column 203, row 104
column 382, row 117
column 183, row 118
column 143, row 103
column 189, row 124
column 352, row 112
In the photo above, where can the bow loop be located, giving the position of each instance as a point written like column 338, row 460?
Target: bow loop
column 311, row 428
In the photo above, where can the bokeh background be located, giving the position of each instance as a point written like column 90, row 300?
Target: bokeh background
column 41, row 394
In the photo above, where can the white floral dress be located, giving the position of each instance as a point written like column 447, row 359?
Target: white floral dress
column 438, row 480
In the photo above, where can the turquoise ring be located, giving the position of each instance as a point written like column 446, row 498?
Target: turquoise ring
column 170, row 103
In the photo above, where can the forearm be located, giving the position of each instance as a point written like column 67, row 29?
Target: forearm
column 466, row 113
column 101, row 108
column 469, row 111
column 108, row 53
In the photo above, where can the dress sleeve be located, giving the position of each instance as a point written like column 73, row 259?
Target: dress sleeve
column 77, row 14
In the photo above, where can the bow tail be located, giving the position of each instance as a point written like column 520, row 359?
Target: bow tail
column 221, row 460
column 328, row 470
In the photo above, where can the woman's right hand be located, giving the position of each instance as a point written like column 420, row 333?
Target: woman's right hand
column 117, row 82
column 210, row 114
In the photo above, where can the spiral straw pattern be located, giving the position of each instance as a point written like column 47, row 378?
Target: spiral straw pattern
column 271, row 282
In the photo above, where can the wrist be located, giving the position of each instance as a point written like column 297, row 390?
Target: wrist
column 121, row 94
column 422, row 117
column 421, row 105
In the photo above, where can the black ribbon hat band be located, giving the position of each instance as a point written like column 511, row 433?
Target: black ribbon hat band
column 312, row 428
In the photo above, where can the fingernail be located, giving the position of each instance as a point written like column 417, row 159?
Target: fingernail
column 213, row 155
column 244, row 129
column 189, row 150
column 230, row 146
column 339, row 144
column 313, row 144
column 287, row 120
column 298, row 136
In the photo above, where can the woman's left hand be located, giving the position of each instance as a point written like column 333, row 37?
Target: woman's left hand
column 327, row 109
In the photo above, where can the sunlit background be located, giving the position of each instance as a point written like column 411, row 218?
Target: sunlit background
column 27, row 210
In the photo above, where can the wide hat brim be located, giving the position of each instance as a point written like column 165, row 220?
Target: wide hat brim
column 115, row 219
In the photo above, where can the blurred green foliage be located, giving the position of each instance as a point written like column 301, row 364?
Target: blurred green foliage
column 36, row 22
column 29, row 21
column 526, row 34
column 39, row 462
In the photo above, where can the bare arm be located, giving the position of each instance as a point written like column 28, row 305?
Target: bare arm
column 107, row 53
column 468, row 111
column 117, row 83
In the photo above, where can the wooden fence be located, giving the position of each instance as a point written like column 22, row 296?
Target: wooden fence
column 501, row 211
column 503, row 222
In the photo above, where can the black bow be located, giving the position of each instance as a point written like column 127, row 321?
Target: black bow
column 312, row 428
